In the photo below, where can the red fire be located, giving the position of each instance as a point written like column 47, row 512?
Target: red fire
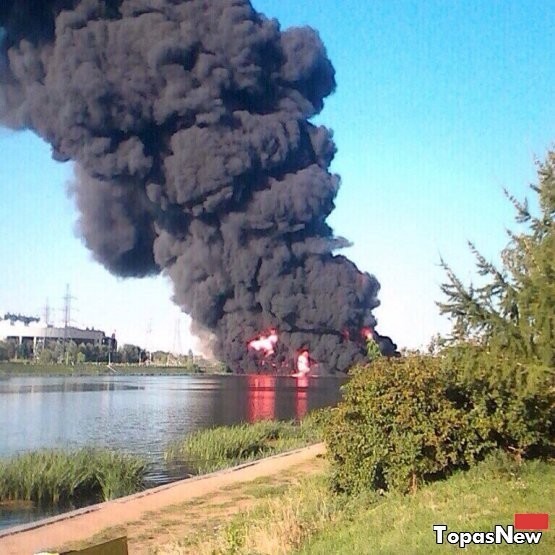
column 265, row 343
column 367, row 333
column 304, row 364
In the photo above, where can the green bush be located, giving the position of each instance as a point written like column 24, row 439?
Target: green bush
column 4, row 351
column 493, row 387
column 404, row 421
column 398, row 424
column 372, row 350
column 511, row 402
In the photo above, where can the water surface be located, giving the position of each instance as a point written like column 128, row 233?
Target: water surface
column 142, row 414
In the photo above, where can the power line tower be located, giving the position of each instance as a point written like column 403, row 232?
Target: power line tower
column 173, row 357
column 177, row 337
column 46, row 317
column 67, row 315
column 46, row 313
column 147, row 340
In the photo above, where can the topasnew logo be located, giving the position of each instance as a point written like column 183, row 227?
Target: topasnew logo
column 500, row 535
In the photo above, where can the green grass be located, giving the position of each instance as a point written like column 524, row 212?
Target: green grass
column 216, row 448
column 307, row 519
column 55, row 476
column 476, row 500
column 262, row 489
column 38, row 369
column 93, row 369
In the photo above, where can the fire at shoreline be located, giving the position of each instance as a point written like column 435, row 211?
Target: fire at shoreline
column 265, row 345
column 304, row 364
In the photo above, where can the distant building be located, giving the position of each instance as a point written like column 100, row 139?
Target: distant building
column 33, row 333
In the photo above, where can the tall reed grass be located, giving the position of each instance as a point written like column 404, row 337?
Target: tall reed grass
column 212, row 449
column 56, row 476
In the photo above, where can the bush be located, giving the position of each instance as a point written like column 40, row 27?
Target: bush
column 4, row 351
column 403, row 421
column 46, row 357
column 398, row 424
column 511, row 402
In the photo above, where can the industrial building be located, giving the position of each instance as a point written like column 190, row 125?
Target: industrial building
column 36, row 332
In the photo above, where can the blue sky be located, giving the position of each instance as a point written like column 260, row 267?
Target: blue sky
column 439, row 105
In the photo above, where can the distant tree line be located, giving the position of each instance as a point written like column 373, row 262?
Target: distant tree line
column 55, row 352
column 71, row 353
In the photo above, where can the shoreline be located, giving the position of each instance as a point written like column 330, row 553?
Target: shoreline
column 82, row 524
column 22, row 370
column 80, row 374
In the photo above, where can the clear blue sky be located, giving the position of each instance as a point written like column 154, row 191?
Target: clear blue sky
column 439, row 105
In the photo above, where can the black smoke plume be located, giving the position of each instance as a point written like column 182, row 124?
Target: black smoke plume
column 189, row 125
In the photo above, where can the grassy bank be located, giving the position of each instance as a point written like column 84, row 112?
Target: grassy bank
column 55, row 476
column 477, row 500
column 94, row 369
column 307, row 519
column 208, row 450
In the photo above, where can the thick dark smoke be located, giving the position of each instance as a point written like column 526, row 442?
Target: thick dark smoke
column 188, row 122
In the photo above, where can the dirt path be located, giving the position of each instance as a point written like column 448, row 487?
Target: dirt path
column 168, row 513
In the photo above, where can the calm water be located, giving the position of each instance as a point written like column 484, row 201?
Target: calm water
column 142, row 414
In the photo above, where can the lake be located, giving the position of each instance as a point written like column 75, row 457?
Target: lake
column 143, row 414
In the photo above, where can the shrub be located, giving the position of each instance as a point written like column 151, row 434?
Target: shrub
column 399, row 424
column 4, row 351
column 512, row 402
column 418, row 418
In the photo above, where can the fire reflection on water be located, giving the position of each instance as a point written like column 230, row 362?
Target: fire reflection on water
column 301, row 397
column 261, row 400
column 261, row 397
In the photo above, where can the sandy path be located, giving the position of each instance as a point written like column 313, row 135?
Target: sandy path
column 140, row 510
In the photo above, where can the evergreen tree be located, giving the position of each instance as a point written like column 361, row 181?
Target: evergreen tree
column 513, row 313
column 373, row 351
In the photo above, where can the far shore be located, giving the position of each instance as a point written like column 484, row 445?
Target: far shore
column 38, row 370
column 26, row 369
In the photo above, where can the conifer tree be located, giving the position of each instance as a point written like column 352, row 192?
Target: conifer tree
column 513, row 313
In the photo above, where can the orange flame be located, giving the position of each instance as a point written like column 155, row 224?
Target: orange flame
column 265, row 343
column 304, row 364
